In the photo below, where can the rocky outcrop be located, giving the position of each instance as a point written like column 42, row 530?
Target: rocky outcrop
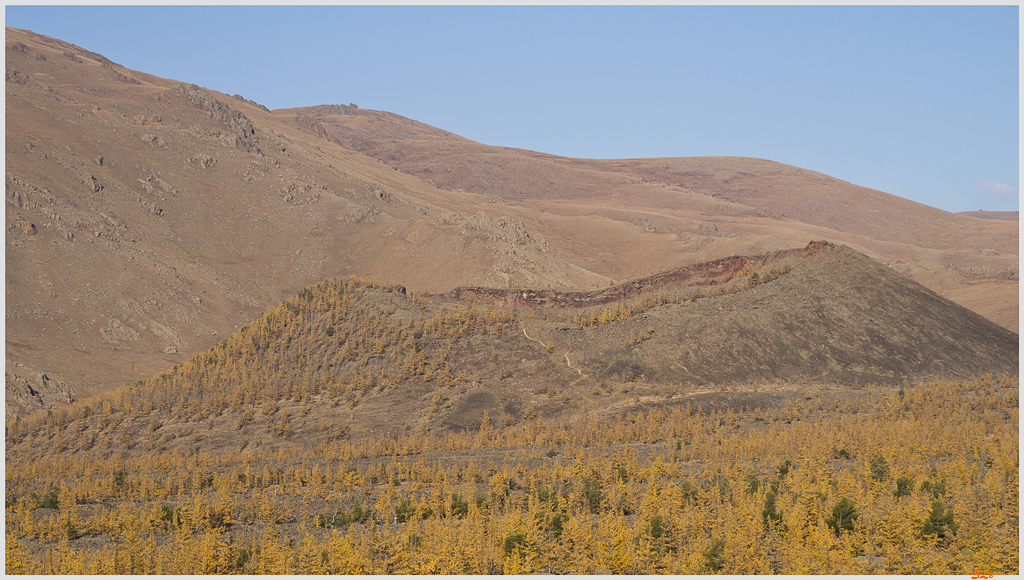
column 244, row 133
column 27, row 390
column 818, row 246
column 503, row 229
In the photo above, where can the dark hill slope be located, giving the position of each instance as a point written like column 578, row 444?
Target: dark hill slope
column 836, row 317
column 354, row 358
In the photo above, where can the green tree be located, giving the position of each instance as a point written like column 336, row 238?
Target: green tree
column 50, row 501
column 903, row 486
column 784, row 468
column 713, row 556
column 940, row 522
column 753, row 483
column 623, row 475
column 552, row 523
column 70, row 529
column 594, row 493
column 655, row 527
column 770, row 513
column 879, row 468
column 404, row 511
column 843, row 515
column 688, row 491
column 938, row 488
column 519, row 543
column 459, row 506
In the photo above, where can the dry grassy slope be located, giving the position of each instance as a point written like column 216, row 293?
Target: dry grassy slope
column 837, row 318
column 147, row 218
column 818, row 199
column 692, row 209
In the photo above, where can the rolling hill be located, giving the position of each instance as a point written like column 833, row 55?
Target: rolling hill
column 364, row 359
column 147, row 218
column 333, row 340
column 705, row 207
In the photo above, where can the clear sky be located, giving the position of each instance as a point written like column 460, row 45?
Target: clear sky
column 921, row 102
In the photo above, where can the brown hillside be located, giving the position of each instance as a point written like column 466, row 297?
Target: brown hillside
column 707, row 207
column 368, row 360
column 838, row 317
column 148, row 218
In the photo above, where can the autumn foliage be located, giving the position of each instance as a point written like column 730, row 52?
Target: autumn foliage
column 753, row 491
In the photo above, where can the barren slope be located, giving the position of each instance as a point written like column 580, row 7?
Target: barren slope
column 706, row 207
column 146, row 218
column 837, row 317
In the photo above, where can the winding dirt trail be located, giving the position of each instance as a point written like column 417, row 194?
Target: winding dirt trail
column 567, row 361
column 570, row 364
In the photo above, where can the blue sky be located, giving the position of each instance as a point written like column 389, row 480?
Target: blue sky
column 921, row 102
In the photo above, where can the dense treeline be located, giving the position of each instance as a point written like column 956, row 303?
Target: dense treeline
column 919, row 479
